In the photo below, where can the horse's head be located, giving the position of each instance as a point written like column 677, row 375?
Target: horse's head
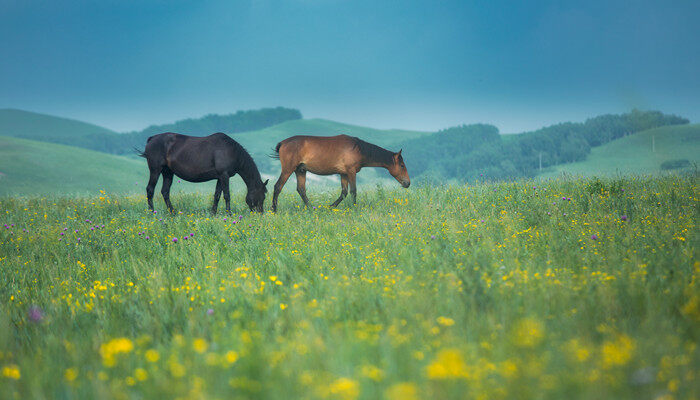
column 398, row 170
column 256, row 196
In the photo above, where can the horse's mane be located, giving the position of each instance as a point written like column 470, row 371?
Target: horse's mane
column 372, row 152
column 246, row 164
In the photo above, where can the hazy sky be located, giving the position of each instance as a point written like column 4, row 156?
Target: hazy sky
column 404, row 64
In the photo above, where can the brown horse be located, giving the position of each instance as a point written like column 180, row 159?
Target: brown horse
column 328, row 155
column 201, row 159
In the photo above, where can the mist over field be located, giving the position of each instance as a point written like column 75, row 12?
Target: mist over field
column 518, row 210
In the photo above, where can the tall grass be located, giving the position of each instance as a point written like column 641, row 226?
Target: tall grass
column 560, row 289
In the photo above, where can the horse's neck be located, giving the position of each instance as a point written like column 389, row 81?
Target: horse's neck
column 250, row 175
column 375, row 161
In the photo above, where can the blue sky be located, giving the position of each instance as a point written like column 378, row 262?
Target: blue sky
column 388, row 64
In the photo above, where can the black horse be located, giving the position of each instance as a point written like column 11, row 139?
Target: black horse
column 201, row 159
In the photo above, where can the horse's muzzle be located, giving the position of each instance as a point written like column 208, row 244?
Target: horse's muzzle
column 406, row 184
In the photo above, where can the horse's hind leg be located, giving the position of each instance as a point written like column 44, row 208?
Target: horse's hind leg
column 151, row 187
column 301, row 185
column 343, row 191
column 278, row 187
column 165, row 190
column 217, row 196
column 227, row 194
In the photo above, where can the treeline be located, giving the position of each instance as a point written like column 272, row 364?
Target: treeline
column 478, row 152
column 241, row 121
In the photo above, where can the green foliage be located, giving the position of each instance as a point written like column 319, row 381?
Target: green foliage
column 475, row 153
column 675, row 164
column 641, row 153
column 241, row 121
column 488, row 291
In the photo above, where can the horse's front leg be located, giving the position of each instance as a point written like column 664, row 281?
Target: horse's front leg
column 217, row 196
column 343, row 190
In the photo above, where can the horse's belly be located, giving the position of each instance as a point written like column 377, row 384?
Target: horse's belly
column 193, row 177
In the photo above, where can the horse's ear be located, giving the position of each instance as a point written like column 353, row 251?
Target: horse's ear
column 399, row 153
column 265, row 183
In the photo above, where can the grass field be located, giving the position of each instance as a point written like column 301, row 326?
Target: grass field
column 634, row 153
column 560, row 289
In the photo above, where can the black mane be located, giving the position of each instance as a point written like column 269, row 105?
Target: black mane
column 374, row 153
column 246, row 165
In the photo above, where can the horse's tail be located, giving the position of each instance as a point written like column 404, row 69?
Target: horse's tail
column 143, row 153
column 276, row 152
column 140, row 153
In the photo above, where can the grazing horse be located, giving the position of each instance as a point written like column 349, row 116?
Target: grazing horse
column 342, row 154
column 201, row 159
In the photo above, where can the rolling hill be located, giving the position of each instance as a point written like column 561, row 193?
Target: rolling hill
column 633, row 154
column 48, row 128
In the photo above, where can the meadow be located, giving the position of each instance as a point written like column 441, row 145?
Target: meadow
column 581, row 288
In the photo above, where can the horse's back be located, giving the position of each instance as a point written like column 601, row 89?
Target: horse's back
column 321, row 155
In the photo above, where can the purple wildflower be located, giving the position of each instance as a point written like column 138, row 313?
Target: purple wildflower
column 147, row 237
column 432, row 236
column 624, row 218
column 174, row 240
column 35, row 314
column 594, row 237
column 191, row 234
column 210, row 311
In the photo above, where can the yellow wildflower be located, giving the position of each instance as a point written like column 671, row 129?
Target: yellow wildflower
column 528, row 333
column 402, row 391
column 445, row 321
column 345, row 388
column 70, row 374
column 200, row 345
column 11, row 371
column 449, row 363
column 113, row 347
column 231, row 357
column 152, row 355
column 140, row 374
column 617, row 352
column 372, row 372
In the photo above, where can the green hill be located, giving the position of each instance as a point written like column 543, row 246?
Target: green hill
column 32, row 167
column 634, row 154
column 47, row 128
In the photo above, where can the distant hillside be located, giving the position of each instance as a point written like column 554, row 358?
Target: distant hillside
column 485, row 155
column 241, row 121
column 47, row 128
column 634, row 153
